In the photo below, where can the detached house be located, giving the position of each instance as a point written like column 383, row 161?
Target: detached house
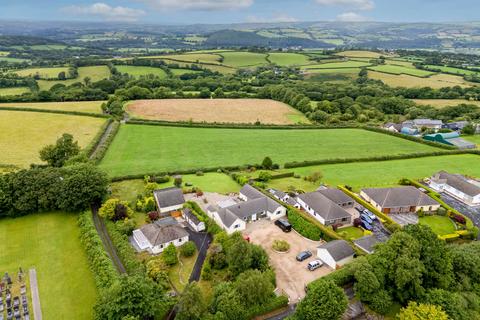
column 406, row 199
column 155, row 237
column 324, row 209
column 169, row 199
column 458, row 186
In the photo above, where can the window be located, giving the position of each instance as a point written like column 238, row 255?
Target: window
column 344, row 219
column 161, row 246
column 236, row 226
column 179, row 240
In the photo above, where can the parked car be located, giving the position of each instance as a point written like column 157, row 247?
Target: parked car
column 370, row 214
column 366, row 218
column 303, row 255
column 314, row 265
column 360, row 209
column 284, row 225
column 367, row 226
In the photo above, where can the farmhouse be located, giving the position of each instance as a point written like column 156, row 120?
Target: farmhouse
column 193, row 220
column 255, row 206
column 393, row 127
column 155, row 237
column 366, row 243
column 451, row 139
column 406, row 199
column 324, row 209
column 169, row 199
column 335, row 253
column 458, row 186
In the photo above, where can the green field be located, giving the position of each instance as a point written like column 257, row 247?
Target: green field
column 138, row 71
column 95, row 73
column 452, row 70
column 82, row 106
column 383, row 173
column 337, row 65
column 143, row 149
column 179, row 72
column 190, row 57
column 25, row 133
column 474, row 139
column 440, row 225
column 49, row 242
column 12, row 60
column 442, row 103
column 344, row 71
column 13, row 91
column 243, row 59
column 393, row 69
column 287, row 59
column 43, row 73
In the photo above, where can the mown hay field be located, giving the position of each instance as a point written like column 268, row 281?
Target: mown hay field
column 142, row 149
column 337, row 65
column 240, row 59
column 216, row 110
column 13, row 91
column 138, row 71
column 436, row 81
column 81, row 106
column 43, row 73
column 359, row 54
column 25, row 133
column 95, row 73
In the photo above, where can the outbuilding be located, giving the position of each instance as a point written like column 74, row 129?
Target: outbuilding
column 336, row 253
column 193, row 220
column 169, row 199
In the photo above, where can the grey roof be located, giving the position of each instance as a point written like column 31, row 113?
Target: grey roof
column 169, row 197
column 399, row 197
column 190, row 215
column 291, row 201
column 458, row 182
column 396, row 126
column 462, row 143
column 158, row 235
column 338, row 249
column 323, row 206
column 366, row 243
column 167, row 221
column 250, row 192
column 336, row 195
column 245, row 209
column 278, row 193
column 427, row 122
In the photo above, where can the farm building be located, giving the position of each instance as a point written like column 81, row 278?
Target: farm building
column 335, row 253
column 169, row 199
column 456, row 126
column 420, row 124
column 451, row 139
column 193, row 220
column 393, row 127
column 323, row 209
column 406, row 199
column 458, row 186
column 155, row 237
column 409, row 131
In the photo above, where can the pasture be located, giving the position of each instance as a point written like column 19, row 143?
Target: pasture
column 436, row 81
column 191, row 57
column 42, row 73
column 240, row 59
column 383, row 173
column 25, row 133
column 287, row 59
column 474, row 139
column 81, row 106
column 139, row 149
column 337, row 65
column 139, row 71
column 442, row 103
column 50, row 243
column 179, row 72
column 216, row 110
column 95, row 73
column 13, row 91
column 394, row 69
column 452, row 70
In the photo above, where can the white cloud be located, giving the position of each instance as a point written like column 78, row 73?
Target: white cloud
column 208, row 5
column 280, row 17
column 357, row 4
column 351, row 17
column 105, row 11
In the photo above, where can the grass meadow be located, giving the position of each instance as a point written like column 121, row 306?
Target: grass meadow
column 337, row 65
column 138, row 71
column 240, row 59
column 145, row 149
column 49, row 242
column 25, row 133
column 81, row 106
column 43, row 73
column 452, row 70
column 95, row 73
column 394, row 69
column 436, row 81
column 288, row 59
column 13, row 91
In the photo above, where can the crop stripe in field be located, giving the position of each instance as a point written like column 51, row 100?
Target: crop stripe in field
column 73, row 113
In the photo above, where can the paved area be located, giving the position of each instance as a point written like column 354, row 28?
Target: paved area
column 404, row 218
column 379, row 231
column 292, row 276
column 37, row 310
column 208, row 199
column 472, row 212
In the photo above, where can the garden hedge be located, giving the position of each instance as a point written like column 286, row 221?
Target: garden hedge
column 272, row 305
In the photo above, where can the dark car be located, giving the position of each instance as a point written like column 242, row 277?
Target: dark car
column 303, row 255
column 366, row 218
column 284, row 225
column 366, row 225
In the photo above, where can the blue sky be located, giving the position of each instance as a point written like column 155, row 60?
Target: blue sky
column 233, row 11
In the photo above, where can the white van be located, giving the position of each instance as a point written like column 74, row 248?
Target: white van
column 315, row 264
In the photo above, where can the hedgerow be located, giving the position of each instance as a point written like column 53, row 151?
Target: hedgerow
column 303, row 226
column 102, row 147
column 88, row 150
column 73, row 113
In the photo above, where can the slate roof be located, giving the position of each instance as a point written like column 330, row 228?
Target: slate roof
column 366, row 243
column 336, row 195
column 399, row 197
column 245, row 209
column 323, row 206
column 169, row 197
column 458, row 182
column 190, row 216
column 291, row 201
column 338, row 249
column 427, row 122
column 250, row 192
column 277, row 193
column 158, row 235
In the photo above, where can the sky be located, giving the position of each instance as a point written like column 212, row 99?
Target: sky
column 239, row 11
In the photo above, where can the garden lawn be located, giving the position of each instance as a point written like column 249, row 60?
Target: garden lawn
column 138, row 71
column 287, row 59
column 351, row 232
column 50, row 243
column 142, row 149
column 441, row 225
column 80, row 106
column 95, row 73
column 13, row 91
column 180, row 273
column 23, row 134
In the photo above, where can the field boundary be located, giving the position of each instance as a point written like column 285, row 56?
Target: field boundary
column 72, row 113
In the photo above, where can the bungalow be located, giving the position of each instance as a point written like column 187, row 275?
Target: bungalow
column 337, row 196
column 366, row 243
column 323, row 209
column 407, row 199
column 458, row 186
column 169, row 199
column 155, row 237
column 193, row 220
column 427, row 123
column 279, row 195
column 336, row 253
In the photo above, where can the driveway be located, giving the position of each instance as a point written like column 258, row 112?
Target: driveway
column 472, row 212
column 292, row 276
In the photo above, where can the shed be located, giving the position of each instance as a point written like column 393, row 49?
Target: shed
column 193, row 220
column 335, row 253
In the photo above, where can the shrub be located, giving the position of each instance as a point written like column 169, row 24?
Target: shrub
column 169, row 255
column 281, row 245
column 188, row 249
column 114, row 209
column 267, row 163
column 381, row 302
column 264, row 176
column 126, row 226
column 303, row 226
column 199, row 173
column 460, row 219
column 153, row 215
column 357, row 222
